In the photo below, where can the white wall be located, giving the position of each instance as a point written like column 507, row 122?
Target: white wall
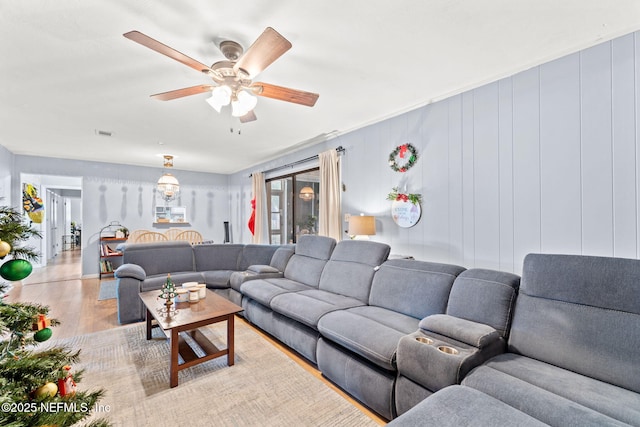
column 543, row 161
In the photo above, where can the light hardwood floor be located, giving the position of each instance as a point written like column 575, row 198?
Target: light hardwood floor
column 74, row 302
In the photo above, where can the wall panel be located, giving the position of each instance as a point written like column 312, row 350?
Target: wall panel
column 560, row 219
column 597, row 152
column 624, row 147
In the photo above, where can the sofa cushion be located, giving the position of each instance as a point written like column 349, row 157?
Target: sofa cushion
column 255, row 254
column 371, row 332
column 580, row 313
column 264, row 290
column 217, row 279
column 554, row 395
column 484, row 296
column 414, row 288
column 160, row 257
column 307, row 307
column 281, row 257
column 217, row 256
column 458, row 405
column 350, row 270
column 308, row 261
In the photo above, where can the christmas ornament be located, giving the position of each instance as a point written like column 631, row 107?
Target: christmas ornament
column 43, row 334
column 66, row 385
column 16, row 269
column 407, row 153
column 168, row 293
column 4, row 249
column 47, row 390
column 41, row 321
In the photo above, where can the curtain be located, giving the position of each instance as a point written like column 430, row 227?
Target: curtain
column 330, row 223
column 260, row 195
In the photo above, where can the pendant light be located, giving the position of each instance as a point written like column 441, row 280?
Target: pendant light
column 168, row 185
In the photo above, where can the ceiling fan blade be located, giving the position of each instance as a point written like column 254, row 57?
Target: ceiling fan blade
column 179, row 93
column 266, row 49
column 152, row 44
column 249, row 117
column 285, row 94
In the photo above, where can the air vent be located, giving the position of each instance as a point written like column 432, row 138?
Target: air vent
column 103, row 133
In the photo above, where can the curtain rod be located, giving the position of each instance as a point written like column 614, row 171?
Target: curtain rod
column 339, row 149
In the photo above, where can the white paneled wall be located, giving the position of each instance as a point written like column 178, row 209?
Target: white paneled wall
column 543, row 161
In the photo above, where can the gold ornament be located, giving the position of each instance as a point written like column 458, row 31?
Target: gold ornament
column 48, row 389
column 5, row 248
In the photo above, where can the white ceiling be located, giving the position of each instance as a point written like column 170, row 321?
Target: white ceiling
column 67, row 71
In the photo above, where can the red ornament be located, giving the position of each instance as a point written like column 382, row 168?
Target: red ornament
column 252, row 219
column 403, row 150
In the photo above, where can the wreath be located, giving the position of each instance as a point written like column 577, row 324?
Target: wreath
column 416, row 199
column 401, row 152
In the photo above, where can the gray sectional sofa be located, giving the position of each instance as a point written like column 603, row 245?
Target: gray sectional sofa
column 573, row 355
column 426, row 343
column 146, row 265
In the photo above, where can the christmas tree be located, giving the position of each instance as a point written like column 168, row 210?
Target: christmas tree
column 37, row 388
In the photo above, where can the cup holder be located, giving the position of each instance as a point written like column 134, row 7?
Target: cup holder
column 424, row 340
column 448, row 350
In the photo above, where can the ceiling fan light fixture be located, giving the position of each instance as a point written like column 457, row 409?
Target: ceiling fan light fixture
column 220, row 96
column 242, row 103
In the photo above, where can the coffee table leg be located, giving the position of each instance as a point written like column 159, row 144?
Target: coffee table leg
column 173, row 364
column 230, row 329
column 149, row 326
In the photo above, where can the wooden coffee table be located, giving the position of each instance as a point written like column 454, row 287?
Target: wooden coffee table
column 189, row 318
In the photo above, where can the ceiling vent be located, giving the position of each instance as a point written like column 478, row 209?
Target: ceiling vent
column 103, row 133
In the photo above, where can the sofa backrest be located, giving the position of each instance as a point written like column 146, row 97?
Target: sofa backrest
column 581, row 313
column 253, row 254
column 160, row 257
column 415, row 288
column 310, row 256
column 485, row 296
column 281, row 257
column 217, row 256
column 351, row 268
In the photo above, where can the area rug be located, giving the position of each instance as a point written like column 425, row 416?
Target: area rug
column 263, row 388
column 107, row 290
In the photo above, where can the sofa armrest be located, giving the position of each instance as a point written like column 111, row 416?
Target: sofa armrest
column 445, row 349
column 260, row 269
column 133, row 271
column 475, row 334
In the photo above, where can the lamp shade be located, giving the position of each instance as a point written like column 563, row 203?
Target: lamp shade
column 361, row 225
column 168, row 186
column 306, row 194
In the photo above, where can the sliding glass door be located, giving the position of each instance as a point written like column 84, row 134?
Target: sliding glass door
column 292, row 203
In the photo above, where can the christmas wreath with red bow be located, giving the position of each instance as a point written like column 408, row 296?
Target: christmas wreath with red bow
column 416, row 199
column 404, row 151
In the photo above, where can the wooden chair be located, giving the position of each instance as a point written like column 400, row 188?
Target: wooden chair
column 191, row 236
column 133, row 236
column 151, row 236
column 172, row 233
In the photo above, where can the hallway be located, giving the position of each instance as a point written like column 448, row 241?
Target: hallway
column 71, row 300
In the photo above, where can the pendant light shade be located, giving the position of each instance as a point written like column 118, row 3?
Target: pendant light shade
column 168, row 185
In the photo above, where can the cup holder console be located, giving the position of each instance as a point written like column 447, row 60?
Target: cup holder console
column 424, row 340
column 447, row 350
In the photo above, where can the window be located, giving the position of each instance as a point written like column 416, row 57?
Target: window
column 292, row 203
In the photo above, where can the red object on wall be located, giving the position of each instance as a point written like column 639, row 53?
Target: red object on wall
column 252, row 219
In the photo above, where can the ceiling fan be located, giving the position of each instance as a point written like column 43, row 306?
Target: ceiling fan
column 233, row 77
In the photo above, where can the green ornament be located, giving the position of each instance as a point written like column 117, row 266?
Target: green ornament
column 43, row 334
column 16, row 269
